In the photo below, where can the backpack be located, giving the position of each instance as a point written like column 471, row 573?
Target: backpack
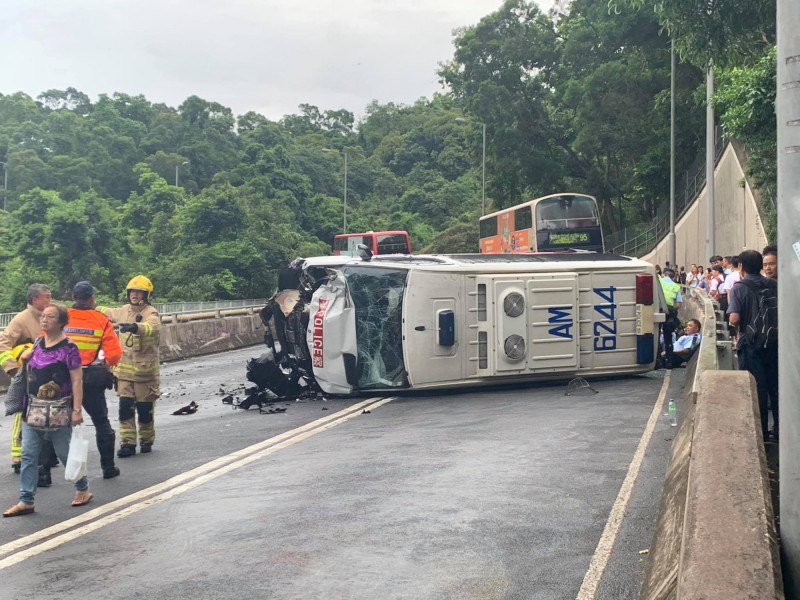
column 762, row 330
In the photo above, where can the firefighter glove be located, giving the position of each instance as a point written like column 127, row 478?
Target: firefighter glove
column 128, row 327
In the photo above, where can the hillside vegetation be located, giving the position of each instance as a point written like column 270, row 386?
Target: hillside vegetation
column 577, row 101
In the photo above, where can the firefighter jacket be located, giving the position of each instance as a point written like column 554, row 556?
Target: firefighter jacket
column 139, row 360
column 24, row 327
column 91, row 332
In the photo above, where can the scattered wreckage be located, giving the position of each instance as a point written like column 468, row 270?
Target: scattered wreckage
column 342, row 325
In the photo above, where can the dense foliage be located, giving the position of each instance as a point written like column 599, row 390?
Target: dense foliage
column 577, row 101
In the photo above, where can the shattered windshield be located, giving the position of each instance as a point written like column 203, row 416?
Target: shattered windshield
column 377, row 295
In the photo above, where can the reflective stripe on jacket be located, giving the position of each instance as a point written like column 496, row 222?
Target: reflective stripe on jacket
column 24, row 327
column 139, row 360
column 92, row 331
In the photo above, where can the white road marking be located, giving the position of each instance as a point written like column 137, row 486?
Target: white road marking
column 71, row 529
column 591, row 581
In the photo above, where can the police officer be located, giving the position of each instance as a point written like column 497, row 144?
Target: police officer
column 137, row 372
column 672, row 294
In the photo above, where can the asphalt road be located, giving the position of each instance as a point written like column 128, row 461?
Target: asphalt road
column 501, row 493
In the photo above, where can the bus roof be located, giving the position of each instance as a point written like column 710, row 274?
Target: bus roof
column 521, row 204
column 505, row 263
column 390, row 232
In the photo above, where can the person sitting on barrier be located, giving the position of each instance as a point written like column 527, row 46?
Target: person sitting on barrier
column 687, row 344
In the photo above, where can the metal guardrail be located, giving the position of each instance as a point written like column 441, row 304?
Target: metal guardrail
column 171, row 308
column 641, row 239
column 174, row 308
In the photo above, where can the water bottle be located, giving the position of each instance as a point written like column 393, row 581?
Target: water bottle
column 672, row 410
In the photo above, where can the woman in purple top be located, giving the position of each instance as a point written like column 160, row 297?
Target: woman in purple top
column 53, row 358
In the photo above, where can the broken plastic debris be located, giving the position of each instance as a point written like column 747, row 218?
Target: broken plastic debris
column 579, row 387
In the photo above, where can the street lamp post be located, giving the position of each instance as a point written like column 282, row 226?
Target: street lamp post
column 345, row 184
column 177, row 171
column 345, row 192
column 483, row 163
column 5, row 183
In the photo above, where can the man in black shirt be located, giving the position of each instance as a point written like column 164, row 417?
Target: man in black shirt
column 761, row 361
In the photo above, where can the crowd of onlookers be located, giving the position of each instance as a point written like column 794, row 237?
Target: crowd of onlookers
column 745, row 286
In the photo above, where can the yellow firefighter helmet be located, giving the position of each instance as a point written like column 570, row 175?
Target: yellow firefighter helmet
column 141, row 283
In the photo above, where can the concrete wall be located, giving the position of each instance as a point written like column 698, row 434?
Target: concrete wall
column 738, row 224
column 195, row 338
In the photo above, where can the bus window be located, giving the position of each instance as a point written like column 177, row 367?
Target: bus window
column 347, row 245
column 379, row 242
column 488, row 227
column 395, row 243
column 523, row 218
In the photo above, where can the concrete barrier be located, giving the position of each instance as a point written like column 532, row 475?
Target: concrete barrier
column 717, row 473
column 195, row 338
column 729, row 547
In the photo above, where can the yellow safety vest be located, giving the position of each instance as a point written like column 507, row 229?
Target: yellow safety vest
column 671, row 291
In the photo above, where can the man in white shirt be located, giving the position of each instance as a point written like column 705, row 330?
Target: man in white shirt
column 686, row 345
column 734, row 276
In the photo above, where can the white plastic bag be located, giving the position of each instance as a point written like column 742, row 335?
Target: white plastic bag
column 78, row 454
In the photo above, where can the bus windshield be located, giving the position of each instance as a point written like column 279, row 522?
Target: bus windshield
column 377, row 295
column 566, row 212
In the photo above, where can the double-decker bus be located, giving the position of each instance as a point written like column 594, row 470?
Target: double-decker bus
column 379, row 242
column 551, row 223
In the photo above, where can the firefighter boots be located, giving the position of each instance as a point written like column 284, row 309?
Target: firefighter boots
column 126, row 450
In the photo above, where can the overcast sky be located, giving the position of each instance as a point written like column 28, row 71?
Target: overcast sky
column 263, row 55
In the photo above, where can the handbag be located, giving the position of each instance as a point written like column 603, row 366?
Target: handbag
column 46, row 415
column 78, row 455
column 15, row 396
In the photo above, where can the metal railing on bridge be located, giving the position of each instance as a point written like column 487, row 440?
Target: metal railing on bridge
column 641, row 239
column 175, row 308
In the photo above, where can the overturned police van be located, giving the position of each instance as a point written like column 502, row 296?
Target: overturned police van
column 344, row 325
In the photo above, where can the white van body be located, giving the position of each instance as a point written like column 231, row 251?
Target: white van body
column 433, row 321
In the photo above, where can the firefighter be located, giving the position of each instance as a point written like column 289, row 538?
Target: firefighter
column 23, row 328
column 99, row 347
column 137, row 372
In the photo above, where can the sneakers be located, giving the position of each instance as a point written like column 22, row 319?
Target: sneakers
column 126, row 450
column 16, row 467
column 45, row 480
column 110, row 472
column 145, row 448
